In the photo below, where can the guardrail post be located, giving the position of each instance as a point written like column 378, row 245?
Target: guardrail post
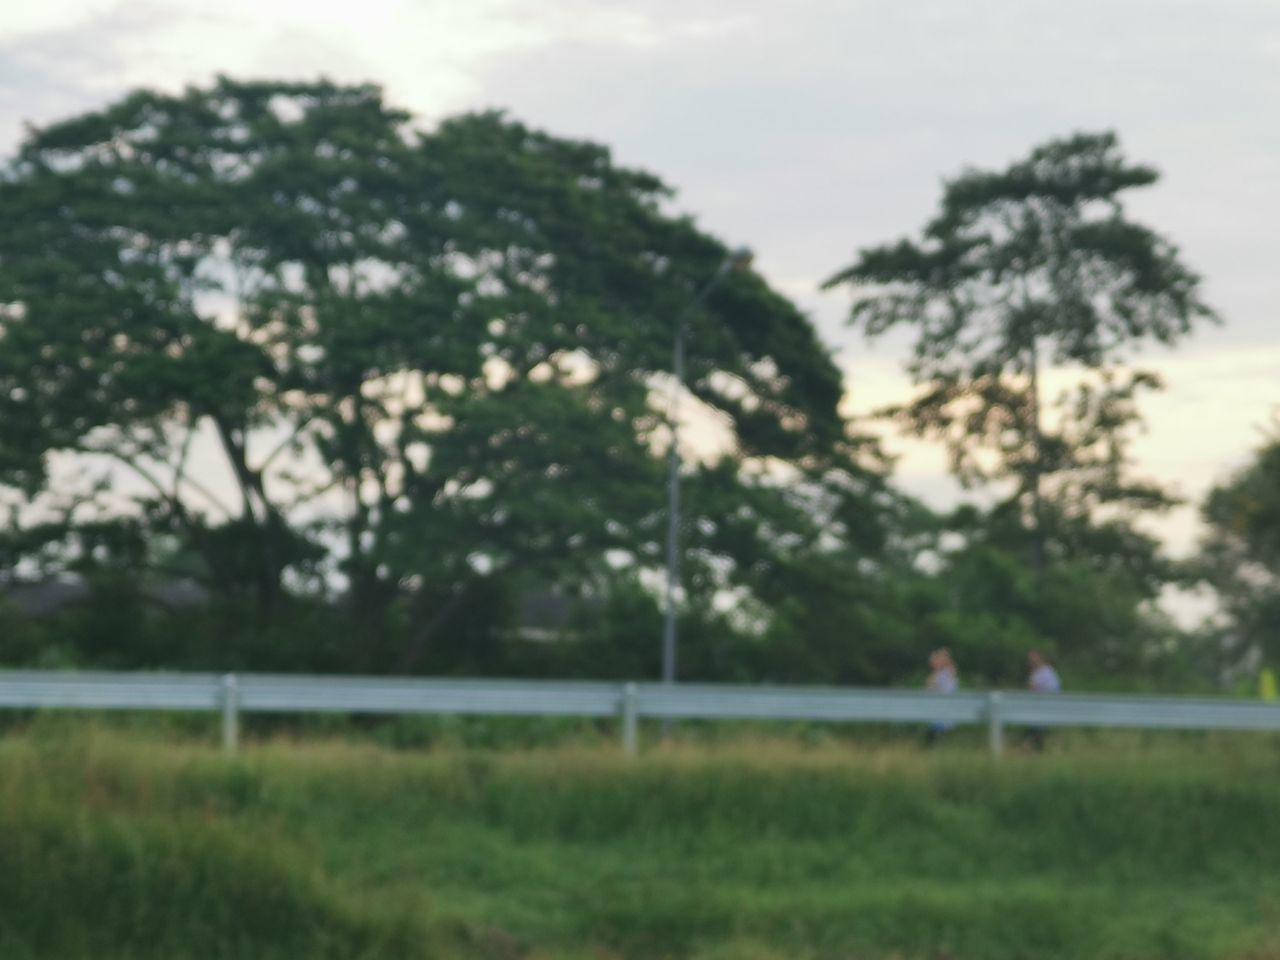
column 630, row 698
column 995, row 726
column 230, row 713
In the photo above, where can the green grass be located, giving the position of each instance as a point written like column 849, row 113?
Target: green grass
column 128, row 846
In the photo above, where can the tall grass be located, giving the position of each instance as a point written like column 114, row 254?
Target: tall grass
column 122, row 845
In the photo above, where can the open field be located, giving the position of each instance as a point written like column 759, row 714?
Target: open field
column 132, row 846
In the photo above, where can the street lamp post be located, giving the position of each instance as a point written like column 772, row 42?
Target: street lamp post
column 737, row 260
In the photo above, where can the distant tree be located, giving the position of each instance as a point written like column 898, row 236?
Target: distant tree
column 1032, row 265
column 1240, row 558
column 1093, row 607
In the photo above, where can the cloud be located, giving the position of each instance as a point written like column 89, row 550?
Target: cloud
column 18, row 20
column 429, row 53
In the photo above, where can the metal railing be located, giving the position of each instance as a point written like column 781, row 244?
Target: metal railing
column 232, row 694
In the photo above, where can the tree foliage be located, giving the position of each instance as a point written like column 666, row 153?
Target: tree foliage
column 368, row 383
column 1032, row 265
column 316, row 345
column 1240, row 558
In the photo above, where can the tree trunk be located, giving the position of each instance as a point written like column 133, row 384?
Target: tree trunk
column 422, row 636
column 261, row 519
column 1036, row 470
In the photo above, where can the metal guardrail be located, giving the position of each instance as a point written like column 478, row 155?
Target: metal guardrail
column 232, row 694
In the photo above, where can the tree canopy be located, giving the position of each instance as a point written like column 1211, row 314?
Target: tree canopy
column 313, row 343
column 1034, row 265
column 1240, row 558
column 368, row 383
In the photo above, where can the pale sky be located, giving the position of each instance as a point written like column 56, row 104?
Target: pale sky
column 805, row 129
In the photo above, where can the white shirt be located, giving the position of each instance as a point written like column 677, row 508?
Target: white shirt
column 1044, row 679
column 944, row 680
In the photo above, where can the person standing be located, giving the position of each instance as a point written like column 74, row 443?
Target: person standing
column 1267, row 688
column 1042, row 678
column 943, row 678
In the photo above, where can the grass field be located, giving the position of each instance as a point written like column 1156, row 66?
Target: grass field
column 129, row 846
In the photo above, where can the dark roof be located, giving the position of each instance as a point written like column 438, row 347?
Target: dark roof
column 47, row 596
column 542, row 610
column 44, row 598
column 548, row 615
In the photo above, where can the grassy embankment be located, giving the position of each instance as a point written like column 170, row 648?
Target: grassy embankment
column 121, row 846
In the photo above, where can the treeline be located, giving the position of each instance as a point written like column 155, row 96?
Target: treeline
column 368, row 388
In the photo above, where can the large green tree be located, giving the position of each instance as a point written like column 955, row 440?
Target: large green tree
column 1240, row 558
column 1032, row 266
column 309, row 342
